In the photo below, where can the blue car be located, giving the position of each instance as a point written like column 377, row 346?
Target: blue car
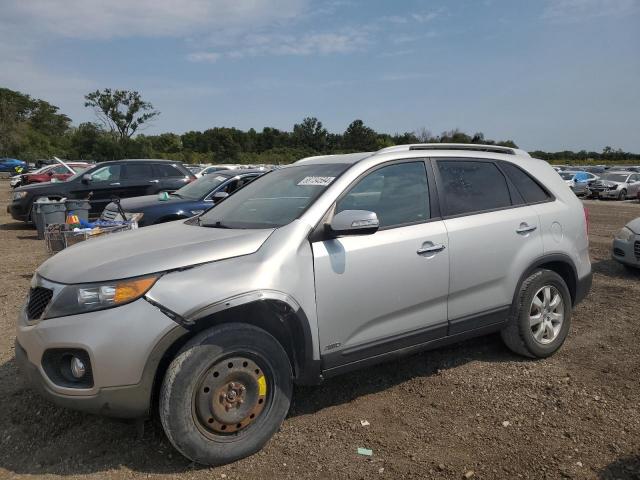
column 13, row 166
column 190, row 200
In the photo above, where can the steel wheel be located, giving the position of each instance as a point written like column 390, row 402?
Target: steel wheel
column 230, row 396
column 546, row 314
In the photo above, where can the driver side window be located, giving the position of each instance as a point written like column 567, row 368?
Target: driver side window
column 109, row 173
column 398, row 194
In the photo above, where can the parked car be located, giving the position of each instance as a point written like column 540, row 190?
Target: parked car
column 50, row 173
column 190, row 200
column 121, row 178
column 13, row 166
column 578, row 181
column 626, row 244
column 321, row 267
column 217, row 168
column 616, row 184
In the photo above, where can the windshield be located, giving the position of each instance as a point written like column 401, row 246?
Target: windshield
column 566, row 175
column 615, row 177
column 275, row 199
column 201, row 187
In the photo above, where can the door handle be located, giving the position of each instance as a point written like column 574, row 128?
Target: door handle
column 114, row 184
column 434, row 248
column 154, row 181
column 523, row 229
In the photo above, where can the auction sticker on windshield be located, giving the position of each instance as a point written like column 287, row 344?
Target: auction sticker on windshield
column 319, row 181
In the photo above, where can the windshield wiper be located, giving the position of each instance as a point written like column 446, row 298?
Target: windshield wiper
column 216, row 224
column 176, row 195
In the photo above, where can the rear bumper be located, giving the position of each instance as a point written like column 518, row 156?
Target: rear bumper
column 583, row 286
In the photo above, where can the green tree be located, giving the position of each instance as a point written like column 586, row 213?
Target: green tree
column 123, row 112
column 359, row 137
column 310, row 133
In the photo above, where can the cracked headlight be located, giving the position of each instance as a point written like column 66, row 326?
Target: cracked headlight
column 89, row 297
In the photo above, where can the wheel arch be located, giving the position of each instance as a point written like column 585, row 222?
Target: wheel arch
column 274, row 312
column 558, row 263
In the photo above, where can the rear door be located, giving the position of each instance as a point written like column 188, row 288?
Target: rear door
column 383, row 292
column 169, row 177
column 493, row 238
column 137, row 180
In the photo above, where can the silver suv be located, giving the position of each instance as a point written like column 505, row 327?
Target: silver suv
column 331, row 264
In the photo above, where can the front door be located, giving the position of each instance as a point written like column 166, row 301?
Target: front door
column 105, row 183
column 386, row 291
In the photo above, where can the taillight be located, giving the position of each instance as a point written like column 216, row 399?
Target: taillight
column 586, row 218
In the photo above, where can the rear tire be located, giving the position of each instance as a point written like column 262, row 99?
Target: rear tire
column 540, row 317
column 225, row 394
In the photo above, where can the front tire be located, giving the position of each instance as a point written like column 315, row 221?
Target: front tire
column 541, row 316
column 225, row 394
column 623, row 195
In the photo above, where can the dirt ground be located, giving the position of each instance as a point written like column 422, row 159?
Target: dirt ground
column 473, row 410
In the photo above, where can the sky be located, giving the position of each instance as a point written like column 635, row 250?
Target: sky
column 549, row 74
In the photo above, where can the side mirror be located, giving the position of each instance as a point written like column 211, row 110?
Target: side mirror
column 50, row 173
column 354, row 222
column 219, row 196
column 86, row 178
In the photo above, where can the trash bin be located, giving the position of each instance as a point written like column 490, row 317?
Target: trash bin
column 48, row 211
column 79, row 207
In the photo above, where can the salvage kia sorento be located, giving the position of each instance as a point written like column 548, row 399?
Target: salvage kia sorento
column 327, row 265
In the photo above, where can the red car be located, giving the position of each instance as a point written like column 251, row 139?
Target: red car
column 46, row 174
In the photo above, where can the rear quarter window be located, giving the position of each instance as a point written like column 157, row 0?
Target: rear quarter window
column 530, row 190
column 169, row 171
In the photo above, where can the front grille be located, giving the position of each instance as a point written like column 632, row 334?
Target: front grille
column 109, row 215
column 636, row 249
column 39, row 298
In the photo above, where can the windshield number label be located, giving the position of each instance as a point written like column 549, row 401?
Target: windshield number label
column 316, row 181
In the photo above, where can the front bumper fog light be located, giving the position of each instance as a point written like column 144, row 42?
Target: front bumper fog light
column 78, row 368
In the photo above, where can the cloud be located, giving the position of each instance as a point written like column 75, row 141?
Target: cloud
column 205, row 57
column 578, row 10
column 402, row 77
column 98, row 19
column 419, row 17
column 263, row 44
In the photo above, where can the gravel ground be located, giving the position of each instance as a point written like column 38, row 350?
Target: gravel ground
column 472, row 410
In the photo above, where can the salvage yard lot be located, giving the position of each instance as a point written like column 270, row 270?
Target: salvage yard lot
column 472, row 409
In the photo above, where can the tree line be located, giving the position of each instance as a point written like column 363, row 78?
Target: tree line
column 32, row 129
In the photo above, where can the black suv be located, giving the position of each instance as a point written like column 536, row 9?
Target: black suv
column 120, row 178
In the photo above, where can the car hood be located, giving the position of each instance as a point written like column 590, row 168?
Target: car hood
column 147, row 250
column 634, row 226
column 608, row 183
column 39, row 188
column 134, row 204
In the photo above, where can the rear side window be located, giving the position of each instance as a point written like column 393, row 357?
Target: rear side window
column 472, row 187
column 135, row 171
column 169, row 171
column 527, row 186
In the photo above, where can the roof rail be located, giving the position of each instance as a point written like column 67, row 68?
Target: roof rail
column 472, row 147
